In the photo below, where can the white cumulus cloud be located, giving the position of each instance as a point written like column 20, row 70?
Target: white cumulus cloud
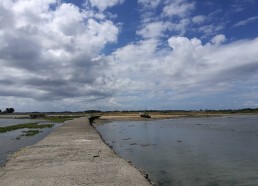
column 149, row 3
column 48, row 51
column 198, row 19
column 153, row 29
column 180, row 8
column 187, row 69
column 218, row 39
column 104, row 4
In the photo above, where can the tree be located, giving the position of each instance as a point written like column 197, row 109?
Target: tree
column 9, row 110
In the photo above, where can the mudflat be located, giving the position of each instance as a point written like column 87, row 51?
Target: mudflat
column 74, row 154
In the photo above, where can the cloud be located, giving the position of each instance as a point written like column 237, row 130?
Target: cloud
column 49, row 51
column 239, row 6
column 199, row 63
column 149, row 4
column 246, row 21
column 218, row 39
column 187, row 69
column 51, row 56
column 104, row 4
column 198, row 19
column 174, row 18
column 153, row 29
column 180, row 8
column 163, row 18
column 210, row 29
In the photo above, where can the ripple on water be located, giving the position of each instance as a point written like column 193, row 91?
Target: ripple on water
column 190, row 151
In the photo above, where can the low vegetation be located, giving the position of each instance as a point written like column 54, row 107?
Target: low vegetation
column 185, row 112
column 31, row 132
column 59, row 119
column 25, row 125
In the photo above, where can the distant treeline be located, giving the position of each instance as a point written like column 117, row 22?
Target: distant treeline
column 244, row 110
column 65, row 112
column 8, row 110
column 230, row 111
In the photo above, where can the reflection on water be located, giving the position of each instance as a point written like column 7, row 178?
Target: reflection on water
column 9, row 122
column 12, row 141
column 190, row 151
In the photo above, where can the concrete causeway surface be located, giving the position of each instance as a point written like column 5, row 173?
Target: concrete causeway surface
column 73, row 154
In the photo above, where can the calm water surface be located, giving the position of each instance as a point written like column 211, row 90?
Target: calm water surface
column 13, row 141
column 213, row 151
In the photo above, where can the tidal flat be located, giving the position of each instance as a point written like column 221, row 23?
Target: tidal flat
column 18, row 133
column 24, row 126
column 189, row 151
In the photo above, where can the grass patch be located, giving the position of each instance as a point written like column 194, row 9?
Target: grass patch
column 31, row 132
column 60, row 119
column 25, row 125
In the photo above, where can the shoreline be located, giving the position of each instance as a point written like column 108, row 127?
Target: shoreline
column 143, row 173
column 73, row 154
column 223, row 136
column 22, row 140
column 107, row 118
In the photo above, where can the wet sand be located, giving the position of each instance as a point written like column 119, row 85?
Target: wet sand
column 109, row 117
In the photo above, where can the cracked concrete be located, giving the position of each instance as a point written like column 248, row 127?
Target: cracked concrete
column 74, row 154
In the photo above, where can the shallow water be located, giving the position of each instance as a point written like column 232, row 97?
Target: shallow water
column 190, row 151
column 8, row 122
column 12, row 141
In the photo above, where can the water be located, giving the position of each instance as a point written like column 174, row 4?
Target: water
column 214, row 151
column 12, row 141
column 8, row 122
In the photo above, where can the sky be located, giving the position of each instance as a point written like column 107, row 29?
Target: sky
column 76, row 55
